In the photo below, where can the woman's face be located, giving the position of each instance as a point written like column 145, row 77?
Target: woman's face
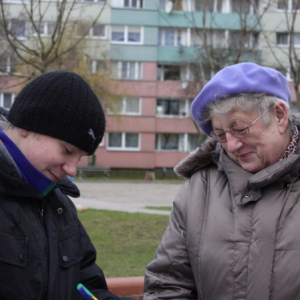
column 263, row 145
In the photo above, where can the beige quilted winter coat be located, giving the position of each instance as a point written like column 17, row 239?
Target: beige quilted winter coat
column 232, row 234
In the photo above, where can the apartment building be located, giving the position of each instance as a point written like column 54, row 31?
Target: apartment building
column 159, row 54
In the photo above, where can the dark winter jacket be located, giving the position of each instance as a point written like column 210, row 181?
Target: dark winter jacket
column 44, row 250
column 232, row 234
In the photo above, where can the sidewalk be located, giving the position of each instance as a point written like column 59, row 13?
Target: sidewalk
column 127, row 196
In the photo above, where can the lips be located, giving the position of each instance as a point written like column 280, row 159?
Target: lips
column 244, row 156
column 54, row 177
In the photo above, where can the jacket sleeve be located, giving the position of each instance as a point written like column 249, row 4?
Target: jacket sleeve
column 169, row 275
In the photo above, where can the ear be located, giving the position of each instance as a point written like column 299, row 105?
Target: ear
column 23, row 132
column 281, row 116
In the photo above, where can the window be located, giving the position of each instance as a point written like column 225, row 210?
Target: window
column 98, row 31
column 284, row 39
column 208, row 5
column 15, row 1
column 295, row 4
column 193, row 142
column 168, row 72
column 133, row 3
column 239, row 40
column 176, row 142
column 9, row 65
column 45, row 28
column 288, row 4
column 17, row 28
column 127, row 106
column 167, row 107
column 169, row 37
column 127, row 3
column 296, row 39
column 97, row 66
column 214, row 38
column 171, row 107
column 167, row 141
column 240, row 6
column 126, row 70
column 99, row 1
column 6, row 100
column 282, row 4
column 162, row 4
column 126, row 34
column 123, row 141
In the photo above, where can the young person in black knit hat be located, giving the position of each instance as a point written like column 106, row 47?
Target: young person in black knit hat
column 45, row 251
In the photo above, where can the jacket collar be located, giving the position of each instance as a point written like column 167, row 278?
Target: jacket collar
column 246, row 187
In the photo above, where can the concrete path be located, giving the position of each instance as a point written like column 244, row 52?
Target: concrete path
column 127, row 196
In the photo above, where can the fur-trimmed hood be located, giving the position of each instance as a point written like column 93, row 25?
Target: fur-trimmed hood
column 209, row 153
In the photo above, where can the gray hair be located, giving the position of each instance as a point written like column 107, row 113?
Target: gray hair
column 248, row 103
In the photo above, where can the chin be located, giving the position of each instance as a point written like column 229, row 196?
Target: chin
column 251, row 168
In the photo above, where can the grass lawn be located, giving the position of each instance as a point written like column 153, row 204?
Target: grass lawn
column 125, row 242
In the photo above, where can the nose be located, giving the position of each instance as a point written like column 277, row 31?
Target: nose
column 233, row 144
column 70, row 167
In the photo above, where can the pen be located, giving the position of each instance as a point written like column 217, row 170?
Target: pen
column 85, row 293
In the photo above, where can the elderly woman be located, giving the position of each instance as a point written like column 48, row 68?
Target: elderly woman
column 234, row 230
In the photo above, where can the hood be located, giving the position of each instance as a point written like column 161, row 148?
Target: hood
column 200, row 158
column 3, row 117
column 209, row 153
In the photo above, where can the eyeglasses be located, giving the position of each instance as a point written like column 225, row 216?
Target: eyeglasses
column 239, row 131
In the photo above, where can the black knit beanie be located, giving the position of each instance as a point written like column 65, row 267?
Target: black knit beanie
column 61, row 105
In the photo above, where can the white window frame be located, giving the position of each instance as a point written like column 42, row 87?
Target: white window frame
column 123, row 142
column 126, row 32
column 117, row 70
column 2, row 99
column 124, row 104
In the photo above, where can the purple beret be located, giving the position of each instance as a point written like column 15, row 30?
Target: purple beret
column 238, row 79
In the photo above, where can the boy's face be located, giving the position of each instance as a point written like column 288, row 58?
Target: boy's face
column 54, row 158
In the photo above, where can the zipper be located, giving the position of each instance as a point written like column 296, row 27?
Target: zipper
column 41, row 212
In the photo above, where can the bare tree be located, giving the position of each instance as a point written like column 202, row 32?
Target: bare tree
column 215, row 45
column 40, row 36
column 283, row 43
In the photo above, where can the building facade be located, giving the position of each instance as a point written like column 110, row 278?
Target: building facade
column 158, row 54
